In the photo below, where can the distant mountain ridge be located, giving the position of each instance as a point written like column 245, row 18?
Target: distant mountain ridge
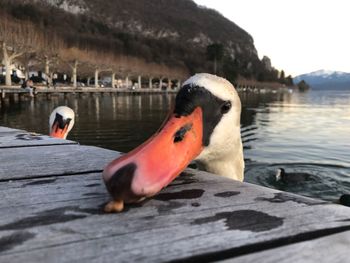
column 326, row 79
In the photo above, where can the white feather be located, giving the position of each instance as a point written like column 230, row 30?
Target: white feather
column 224, row 154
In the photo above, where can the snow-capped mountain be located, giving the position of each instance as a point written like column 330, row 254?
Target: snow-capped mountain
column 326, row 79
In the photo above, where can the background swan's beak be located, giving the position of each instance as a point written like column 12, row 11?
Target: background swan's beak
column 150, row 167
column 59, row 127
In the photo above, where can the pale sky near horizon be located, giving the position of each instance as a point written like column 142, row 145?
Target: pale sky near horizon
column 299, row 36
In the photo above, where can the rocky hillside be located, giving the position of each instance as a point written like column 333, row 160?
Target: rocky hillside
column 174, row 32
column 177, row 20
column 326, row 79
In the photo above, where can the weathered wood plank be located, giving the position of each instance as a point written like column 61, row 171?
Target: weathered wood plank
column 12, row 138
column 200, row 216
column 31, row 162
column 333, row 248
column 6, row 129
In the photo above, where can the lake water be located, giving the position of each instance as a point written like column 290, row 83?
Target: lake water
column 300, row 132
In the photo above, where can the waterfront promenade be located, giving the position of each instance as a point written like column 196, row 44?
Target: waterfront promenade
column 16, row 92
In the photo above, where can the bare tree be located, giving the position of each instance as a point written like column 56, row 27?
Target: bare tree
column 50, row 46
column 16, row 39
column 27, row 60
column 73, row 57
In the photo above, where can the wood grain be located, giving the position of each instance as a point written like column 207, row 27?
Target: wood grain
column 52, row 196
column 333, row 248
column 199, row 216
column 6, row 129
column 31, row 162
column 12, row 138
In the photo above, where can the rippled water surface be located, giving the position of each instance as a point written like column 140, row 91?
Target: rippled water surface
column 305, row 133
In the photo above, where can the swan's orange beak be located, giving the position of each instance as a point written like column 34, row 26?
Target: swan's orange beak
column 144, row 171
column 59, row 127
column 58, row 132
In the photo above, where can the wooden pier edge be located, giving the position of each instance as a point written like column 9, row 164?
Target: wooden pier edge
column 53, row 194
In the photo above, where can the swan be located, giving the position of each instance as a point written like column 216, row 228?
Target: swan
column 204, row 126
column 61, row 122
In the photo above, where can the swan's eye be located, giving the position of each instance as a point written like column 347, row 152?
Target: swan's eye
column 226, row 107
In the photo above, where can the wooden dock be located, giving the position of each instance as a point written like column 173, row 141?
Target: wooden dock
column 52, row 196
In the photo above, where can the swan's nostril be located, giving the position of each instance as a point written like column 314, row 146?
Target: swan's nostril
column 180, row 134
column 119, row 185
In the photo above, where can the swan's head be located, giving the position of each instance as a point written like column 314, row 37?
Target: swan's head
column 280, row 174
column 61, row 122
column 204, row 125
column 345, row 200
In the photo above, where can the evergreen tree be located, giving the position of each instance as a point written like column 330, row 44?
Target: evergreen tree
column 215, row 52
column 282, row 76
column 303, row 86
column 230, row 69
column 289, row 81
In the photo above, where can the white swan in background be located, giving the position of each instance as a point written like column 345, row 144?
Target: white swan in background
column 203, row 126
column 61, row 122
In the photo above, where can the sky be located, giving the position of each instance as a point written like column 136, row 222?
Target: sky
column 299, row 36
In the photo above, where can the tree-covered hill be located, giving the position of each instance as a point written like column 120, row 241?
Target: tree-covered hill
column 174, row 34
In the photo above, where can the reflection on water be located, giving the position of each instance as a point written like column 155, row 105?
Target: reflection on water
column 300, row 132
column 114, row 122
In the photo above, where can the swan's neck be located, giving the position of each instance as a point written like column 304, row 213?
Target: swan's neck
column 231, row 165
